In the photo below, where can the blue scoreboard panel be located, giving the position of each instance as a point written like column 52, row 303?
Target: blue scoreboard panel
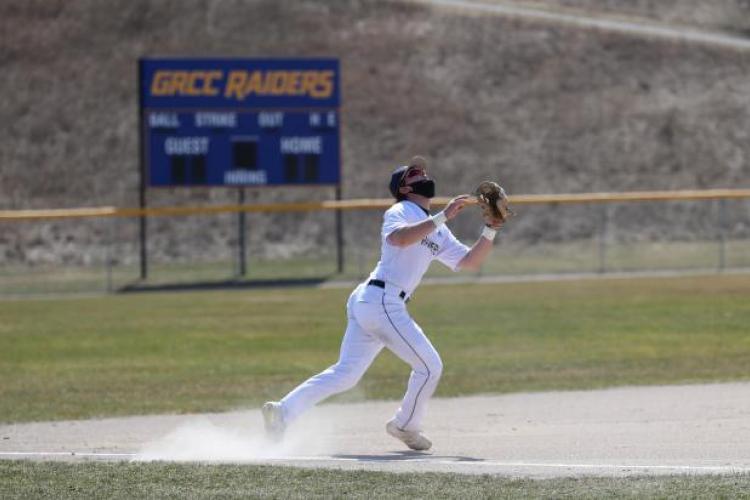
column 240, row 122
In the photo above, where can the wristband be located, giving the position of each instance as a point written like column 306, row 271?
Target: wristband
column 489, row 233
column 439, row 219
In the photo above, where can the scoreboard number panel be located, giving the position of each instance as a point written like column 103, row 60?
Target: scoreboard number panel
column 240, row 122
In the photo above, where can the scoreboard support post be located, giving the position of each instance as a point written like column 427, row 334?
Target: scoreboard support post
column 143, row 237
column 142, row 176
column 241, row 224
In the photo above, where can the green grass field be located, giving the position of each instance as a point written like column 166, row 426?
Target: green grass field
column 191, row 352
column 21, row 480
column 208, row 351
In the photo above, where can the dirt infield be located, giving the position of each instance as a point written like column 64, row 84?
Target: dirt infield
column 693, row 429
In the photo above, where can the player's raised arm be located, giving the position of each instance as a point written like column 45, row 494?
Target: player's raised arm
column 480, row 250
column 414, row 233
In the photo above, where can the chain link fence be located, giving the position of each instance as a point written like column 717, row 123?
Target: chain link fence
column 102, row 255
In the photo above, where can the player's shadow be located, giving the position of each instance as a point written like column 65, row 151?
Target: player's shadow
column 397, row 456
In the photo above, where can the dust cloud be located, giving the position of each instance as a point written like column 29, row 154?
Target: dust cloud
column 206, row 439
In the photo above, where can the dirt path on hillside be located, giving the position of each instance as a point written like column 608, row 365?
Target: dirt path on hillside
column 610, row 22
column 637, row 430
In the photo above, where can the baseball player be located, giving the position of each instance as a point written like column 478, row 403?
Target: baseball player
column 411, row 238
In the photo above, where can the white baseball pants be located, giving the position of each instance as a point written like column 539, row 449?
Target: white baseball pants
column 377, row 318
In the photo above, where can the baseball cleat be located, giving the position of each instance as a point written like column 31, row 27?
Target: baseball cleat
column 413, row 439
column 273, row 418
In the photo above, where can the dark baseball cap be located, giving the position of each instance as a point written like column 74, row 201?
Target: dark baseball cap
column 398, row 175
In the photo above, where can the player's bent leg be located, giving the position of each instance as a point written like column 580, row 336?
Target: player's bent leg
column 421, row 386
column 407, row 340
column 423, row 382
column 358, row 350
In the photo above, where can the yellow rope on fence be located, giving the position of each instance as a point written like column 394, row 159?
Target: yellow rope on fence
column 363, row 204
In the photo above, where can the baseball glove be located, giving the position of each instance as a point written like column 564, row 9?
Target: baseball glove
column 493, row 202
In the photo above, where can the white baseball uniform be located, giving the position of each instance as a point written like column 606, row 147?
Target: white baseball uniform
column 377, row 318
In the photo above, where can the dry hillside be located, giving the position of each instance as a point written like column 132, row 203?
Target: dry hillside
column 544, row 108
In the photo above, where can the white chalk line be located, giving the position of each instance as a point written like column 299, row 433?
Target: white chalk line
column 401, row 459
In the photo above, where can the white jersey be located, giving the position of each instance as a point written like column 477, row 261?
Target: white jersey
column 405, row 266
column 377, row 318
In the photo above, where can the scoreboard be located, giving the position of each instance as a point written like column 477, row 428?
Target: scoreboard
column 240, row 122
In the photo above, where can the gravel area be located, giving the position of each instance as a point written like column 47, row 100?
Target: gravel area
column 691, row 429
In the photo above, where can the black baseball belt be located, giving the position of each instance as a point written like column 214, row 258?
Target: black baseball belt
column 381, row 284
